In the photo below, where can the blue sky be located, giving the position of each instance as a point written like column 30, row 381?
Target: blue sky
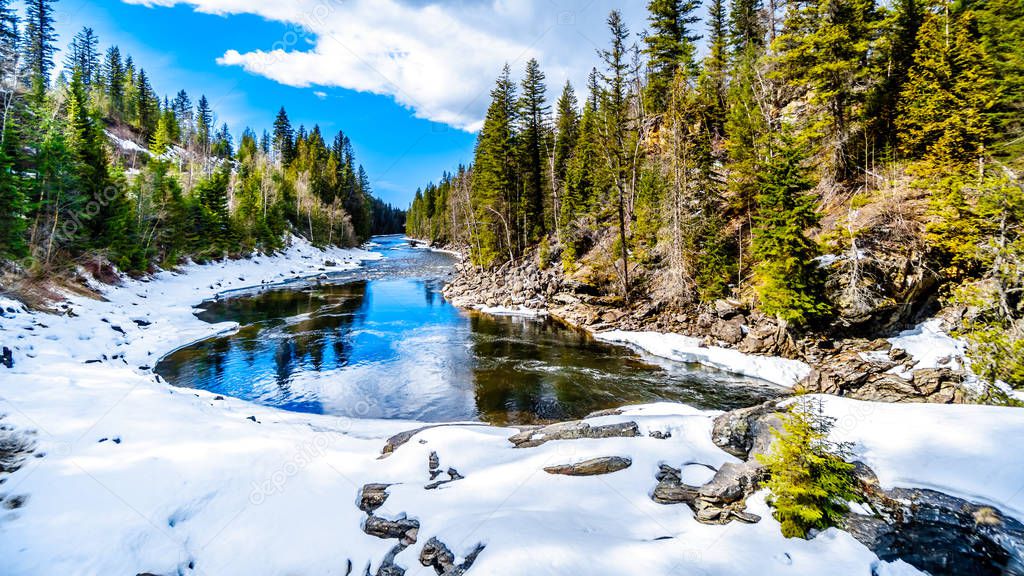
column 406, row 80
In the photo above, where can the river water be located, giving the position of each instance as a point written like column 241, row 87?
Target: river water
column 382, row 342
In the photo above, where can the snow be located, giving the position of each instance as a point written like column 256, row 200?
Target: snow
column 780, row 371
column 512, row 311
column 969, row 451
column 931, row 346
column 135, row 476
column 125, row 144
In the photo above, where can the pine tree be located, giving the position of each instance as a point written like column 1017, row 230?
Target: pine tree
column 533, row 143
column 747, row 29
column 146, row 105
column 1001, row 27
column 12, row 217
column 951, row 74
column 617, row 133
column 824, row 52
column 284, row 138
column 39, row 45
column 204, row 122
column 713, row 77
column 8, row 38
column 894, row 60
column 114, row 76
column 494, row 188
column 790, row 284
column 83, row 53
column 810, row 482
column 567, row 129
column 669, row 47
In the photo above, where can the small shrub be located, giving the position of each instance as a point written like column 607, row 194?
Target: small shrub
column 810, row 481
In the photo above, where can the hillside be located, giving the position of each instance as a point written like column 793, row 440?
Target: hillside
column 833, row 175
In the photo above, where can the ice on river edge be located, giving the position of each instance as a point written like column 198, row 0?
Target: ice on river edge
column 196, row 485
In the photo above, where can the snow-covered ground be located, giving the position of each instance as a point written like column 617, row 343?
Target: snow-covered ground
column 681, row 348
column 134, row 476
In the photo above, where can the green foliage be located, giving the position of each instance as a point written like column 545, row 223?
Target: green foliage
column 977, row 229
column 943, row 116
column 669, row 48
column 790, row 283
column 810, row 482
column 495, row 177
column 12, row 217
column 823, row 52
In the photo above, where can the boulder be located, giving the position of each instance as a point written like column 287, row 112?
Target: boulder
column 372, row 497
column 593, row 467
column 403, row 528
column 573, row 431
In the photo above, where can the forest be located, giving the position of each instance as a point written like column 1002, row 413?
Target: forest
column 75, row 185
column 741, row 170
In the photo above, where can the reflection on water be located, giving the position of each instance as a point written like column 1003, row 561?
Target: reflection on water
column 382, row 342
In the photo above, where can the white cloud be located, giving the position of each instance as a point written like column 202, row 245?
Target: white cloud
column 320, row 94
column 437, row 58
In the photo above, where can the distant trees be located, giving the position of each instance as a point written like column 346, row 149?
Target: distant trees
column 74, row 181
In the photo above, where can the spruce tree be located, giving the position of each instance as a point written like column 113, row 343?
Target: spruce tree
column 669, row 47
column 567, row 130
column 790, row 284
column 944, row 108
column 114, row 76
column 533, row 144
column 824, row 52
column 284, row 138
column 12, row 217
column 746, row 26
column 204, row 122
column 39, row 44
column 494, row 177
column 810, row 482
column 83, row 53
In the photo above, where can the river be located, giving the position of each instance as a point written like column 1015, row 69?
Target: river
column 382, row 342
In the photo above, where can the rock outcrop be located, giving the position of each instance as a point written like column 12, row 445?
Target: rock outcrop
column 936, row 532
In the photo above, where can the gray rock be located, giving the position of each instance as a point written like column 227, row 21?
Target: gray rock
column 403, row 528
column 372, row 497
column 593, row 467
column 573, row 431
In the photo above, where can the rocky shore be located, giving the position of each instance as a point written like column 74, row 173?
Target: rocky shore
column 851, row 366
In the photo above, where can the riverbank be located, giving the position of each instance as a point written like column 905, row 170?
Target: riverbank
column 920, row 364
column 122, row 474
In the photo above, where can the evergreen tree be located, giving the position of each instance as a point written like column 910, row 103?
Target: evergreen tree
column 12, row 217
column 146, row 105
column 617, row 132
column 824, row 52
column 790, row 284
column 494, row 189
column 567, row 129
column 949, row 92
column 669, row 47
column 284, row 138
column 204, row 122
column 39, row 45
column 83, row 53
column 533, row 143
column 810, row 482
column 895, row 58
column 114, row 76
column 746, row 25
column 713, row 77
column 1001, row 26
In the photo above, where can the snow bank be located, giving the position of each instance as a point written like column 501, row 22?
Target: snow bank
column 511, row 311
column 680, row 348
column 964, row 450
column 931, row 346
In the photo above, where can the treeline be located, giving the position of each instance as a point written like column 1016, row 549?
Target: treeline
column 67, row 191
column 715, row 170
